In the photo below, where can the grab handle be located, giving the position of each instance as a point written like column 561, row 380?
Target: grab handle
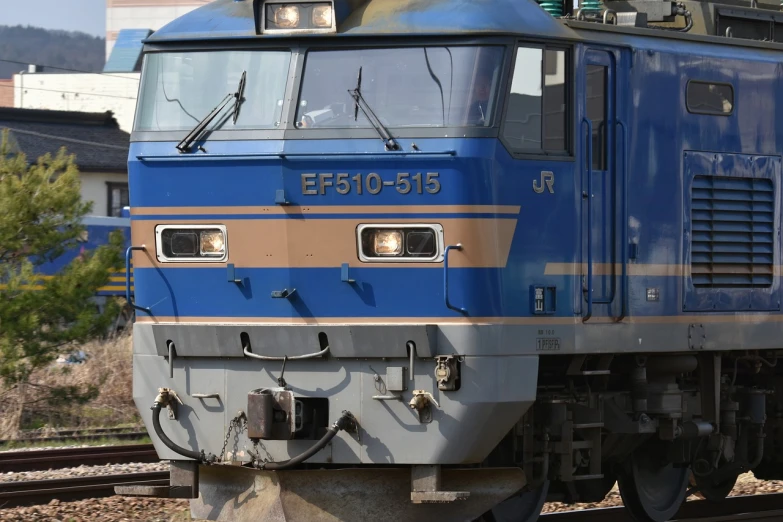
column 624, row 235
column 589, row 218
column 449, row 248
column 128, row 281
column 246, row 351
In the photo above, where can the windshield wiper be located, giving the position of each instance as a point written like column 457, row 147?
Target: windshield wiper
column 187, row 141
column 361, row 103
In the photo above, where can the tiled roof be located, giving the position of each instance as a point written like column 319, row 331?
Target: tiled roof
column 94, row 138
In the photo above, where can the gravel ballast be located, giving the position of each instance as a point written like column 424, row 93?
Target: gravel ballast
column 111, row 509
column 125, row 509
column 84, row 471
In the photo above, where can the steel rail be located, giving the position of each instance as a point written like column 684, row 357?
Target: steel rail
column 83, row 431
column 133, row 435
column 36, row 492
column 42, row 460
column 746, row 508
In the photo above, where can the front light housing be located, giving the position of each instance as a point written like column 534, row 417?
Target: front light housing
column 191, row 243
column 293, row 17
column 400, row 243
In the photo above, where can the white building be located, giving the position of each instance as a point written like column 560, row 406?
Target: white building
column 143, row 14
column 114, row 91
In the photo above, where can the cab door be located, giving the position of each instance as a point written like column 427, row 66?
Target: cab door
column 603, row 179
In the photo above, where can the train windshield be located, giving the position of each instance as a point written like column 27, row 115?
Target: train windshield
column 405, row 87
column 180, row 88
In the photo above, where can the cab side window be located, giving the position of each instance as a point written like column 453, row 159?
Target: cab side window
column 537, row 107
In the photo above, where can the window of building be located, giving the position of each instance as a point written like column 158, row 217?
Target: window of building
column 709, row 98
column 596, row 112
column 118, row 198
column 537, row 110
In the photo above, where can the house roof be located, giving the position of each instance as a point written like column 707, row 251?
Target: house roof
column 94, row 138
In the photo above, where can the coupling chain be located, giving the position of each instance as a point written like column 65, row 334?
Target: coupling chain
column 240, row 423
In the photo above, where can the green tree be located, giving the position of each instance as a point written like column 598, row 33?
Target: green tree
column 40, row 218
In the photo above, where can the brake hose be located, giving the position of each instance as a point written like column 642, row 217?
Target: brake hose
column 195, row 455
column 345, row 422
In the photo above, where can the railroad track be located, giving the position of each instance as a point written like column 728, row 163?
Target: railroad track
column 749, row 508
column 132, row 433
column 36, row 492
column 42, row 460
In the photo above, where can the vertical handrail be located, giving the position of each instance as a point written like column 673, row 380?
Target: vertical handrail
column 624, row 228
column 449, row 248
column 127, row 279
column 589, row 218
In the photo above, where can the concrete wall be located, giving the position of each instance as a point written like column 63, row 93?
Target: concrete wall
column 94, row 189
column 79, row 92
column 143, row 14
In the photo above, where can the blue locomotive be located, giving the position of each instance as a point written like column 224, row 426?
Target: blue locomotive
column 97, row 230
column 445, row 259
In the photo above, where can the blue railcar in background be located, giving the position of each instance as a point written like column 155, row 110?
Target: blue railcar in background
column 445, row 259
column 97, row 232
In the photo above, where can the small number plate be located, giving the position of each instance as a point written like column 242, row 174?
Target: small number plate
column 547, row 344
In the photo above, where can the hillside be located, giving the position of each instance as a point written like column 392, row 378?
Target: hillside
column 71, row 50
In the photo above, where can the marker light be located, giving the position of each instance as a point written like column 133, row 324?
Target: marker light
column 185, row 243
column 322, row 16
column 407, row 243
column 213, row 242
column 387, row 242
column 286, row 16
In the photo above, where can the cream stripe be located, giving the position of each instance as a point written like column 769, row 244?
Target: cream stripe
column 418, row 321
column 319, row 243
column 343, row 321
column 331, row 209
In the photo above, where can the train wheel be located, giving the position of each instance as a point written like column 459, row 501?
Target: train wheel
column 522, row 507
column 708, row 490
column 652, row 490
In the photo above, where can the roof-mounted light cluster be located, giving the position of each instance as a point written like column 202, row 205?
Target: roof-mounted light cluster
column 297, row 17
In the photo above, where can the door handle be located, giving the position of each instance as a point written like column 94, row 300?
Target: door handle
column 450, row 306
column 624, row 234
column 589, row 218
column 128, row 276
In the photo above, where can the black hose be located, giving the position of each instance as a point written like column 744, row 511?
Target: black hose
column 342, row 423
column 195, row 455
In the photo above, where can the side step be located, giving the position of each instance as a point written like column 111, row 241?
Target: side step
column 183, row 483
column 425, row 487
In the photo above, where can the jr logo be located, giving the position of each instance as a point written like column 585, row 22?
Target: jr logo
column 548, row 179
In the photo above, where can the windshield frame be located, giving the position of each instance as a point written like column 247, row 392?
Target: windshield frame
column 299, row 49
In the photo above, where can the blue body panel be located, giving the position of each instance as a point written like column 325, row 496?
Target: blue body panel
column 633, row 236
column 98, row 231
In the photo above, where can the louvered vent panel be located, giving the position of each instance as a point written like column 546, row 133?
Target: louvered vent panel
column 732, row 232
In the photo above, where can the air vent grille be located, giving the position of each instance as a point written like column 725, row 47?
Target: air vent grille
column 733, row 232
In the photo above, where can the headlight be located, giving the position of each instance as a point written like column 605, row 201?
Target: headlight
column 213, row 242
column 290, row 17
column 285, row 16
column 419, row 243
column 387, row 242
column 182, row 243
column 322, row 16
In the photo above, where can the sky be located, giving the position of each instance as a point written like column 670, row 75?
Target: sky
column 88, row 16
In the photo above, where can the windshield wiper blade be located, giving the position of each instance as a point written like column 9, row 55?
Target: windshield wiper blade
column 361, row 103
column 240, row 93
column 187, row 141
